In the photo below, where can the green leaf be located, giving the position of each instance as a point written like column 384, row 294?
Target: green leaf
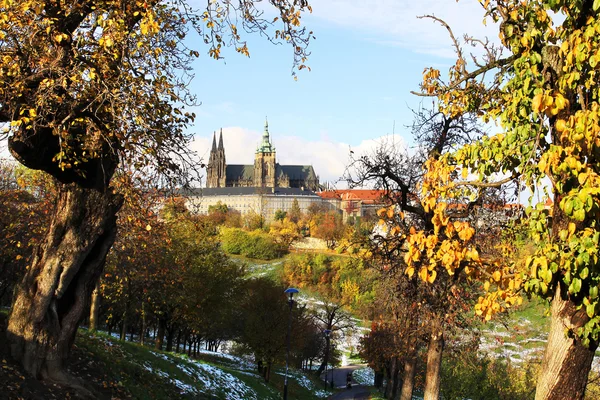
column 579, row 215
column 590, row 308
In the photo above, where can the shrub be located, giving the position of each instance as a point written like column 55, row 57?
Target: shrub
column 254, row 244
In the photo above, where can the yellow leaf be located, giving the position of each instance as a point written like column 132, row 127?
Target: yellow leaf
column 423, row 274
column 486, row 286
column 390, row 212
column 431, row 277
column 410, row 271
column 536, row 104
column 148, row 227
column 496, row 276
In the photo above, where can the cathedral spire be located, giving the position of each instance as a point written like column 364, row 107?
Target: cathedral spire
column 214, row 146
column 221, row 140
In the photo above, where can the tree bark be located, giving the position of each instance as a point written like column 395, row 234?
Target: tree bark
column 408, row 381
column 55, row 292
column 567, row 362
column 434, row 361
column 160, row 336
column 143, row 333
column 95, row 307
column 124, row 327
column 170, row 335
column 393, row 382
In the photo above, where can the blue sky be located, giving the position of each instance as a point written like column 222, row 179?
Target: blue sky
column 365, row 60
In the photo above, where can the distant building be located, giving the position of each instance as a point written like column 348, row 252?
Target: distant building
column 265, row 173
column 262, row 201
column 355, row 202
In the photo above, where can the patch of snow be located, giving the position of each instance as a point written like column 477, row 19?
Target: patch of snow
column 364, row 376
column 213, row 379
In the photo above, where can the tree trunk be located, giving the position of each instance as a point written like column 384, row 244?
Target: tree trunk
column 326, row 358
column 393, row 383
column 178, row 342
column 408, row 381
column 434, row 361
column 143, row 333
column 55, row 292
column 567, row 362
column 124, row 327
column 95, row 308
column 170, row 335
column 161, row 334
column 268, row 371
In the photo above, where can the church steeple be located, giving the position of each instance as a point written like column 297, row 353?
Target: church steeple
column 214, row 146
column 265, row 146
column 221, row 140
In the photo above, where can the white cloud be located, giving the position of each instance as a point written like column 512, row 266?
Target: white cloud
column 328, row 158
column 397, row 21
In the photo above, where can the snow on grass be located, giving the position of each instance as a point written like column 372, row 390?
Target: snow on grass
column 238, row 362
column 213, row 379
column 305, row 382
column 364, row 376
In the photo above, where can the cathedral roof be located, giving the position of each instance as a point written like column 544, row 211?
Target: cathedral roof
column 294, row 172
column 236, row 172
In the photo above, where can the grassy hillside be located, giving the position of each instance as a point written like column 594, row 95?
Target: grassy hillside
column 112, row 369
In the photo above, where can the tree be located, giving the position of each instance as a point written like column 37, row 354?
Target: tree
column 295, row 212
column 284, row 232
column 412, row 238
column 279, row 215
column 329, row 227
column 94, row 93
column 545, row 98
column 333, row 317
column 264, row 322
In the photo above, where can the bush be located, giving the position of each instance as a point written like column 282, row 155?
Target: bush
column 233, row 240
column 252, row 245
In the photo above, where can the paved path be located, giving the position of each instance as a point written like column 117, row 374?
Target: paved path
column 357, row 392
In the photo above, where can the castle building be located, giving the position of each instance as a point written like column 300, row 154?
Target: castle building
column 265, row 173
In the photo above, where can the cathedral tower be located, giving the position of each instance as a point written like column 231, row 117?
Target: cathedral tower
column 215, row 171
column 264, row 161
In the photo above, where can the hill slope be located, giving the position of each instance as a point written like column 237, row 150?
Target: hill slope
column 112, row 369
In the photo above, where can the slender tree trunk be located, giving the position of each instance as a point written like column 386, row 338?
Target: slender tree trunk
column 143, row 332
column 268, row 371
column 434, row 361
column 178, row 342
column 567, row 363
column 170, row 335
column 161, row 334
column 124, row 327
column 393, row 383
column 95, row 307
column 326, row 358
column 408, row 381
column 56, row 290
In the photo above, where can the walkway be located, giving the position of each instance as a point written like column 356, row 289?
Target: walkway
column 357, row 392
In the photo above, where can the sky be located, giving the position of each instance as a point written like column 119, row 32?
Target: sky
column 367, row 57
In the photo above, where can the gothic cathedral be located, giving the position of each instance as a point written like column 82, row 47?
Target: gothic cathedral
column 266, row 172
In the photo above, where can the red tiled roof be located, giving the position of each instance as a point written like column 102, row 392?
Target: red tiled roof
column 354, row 194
